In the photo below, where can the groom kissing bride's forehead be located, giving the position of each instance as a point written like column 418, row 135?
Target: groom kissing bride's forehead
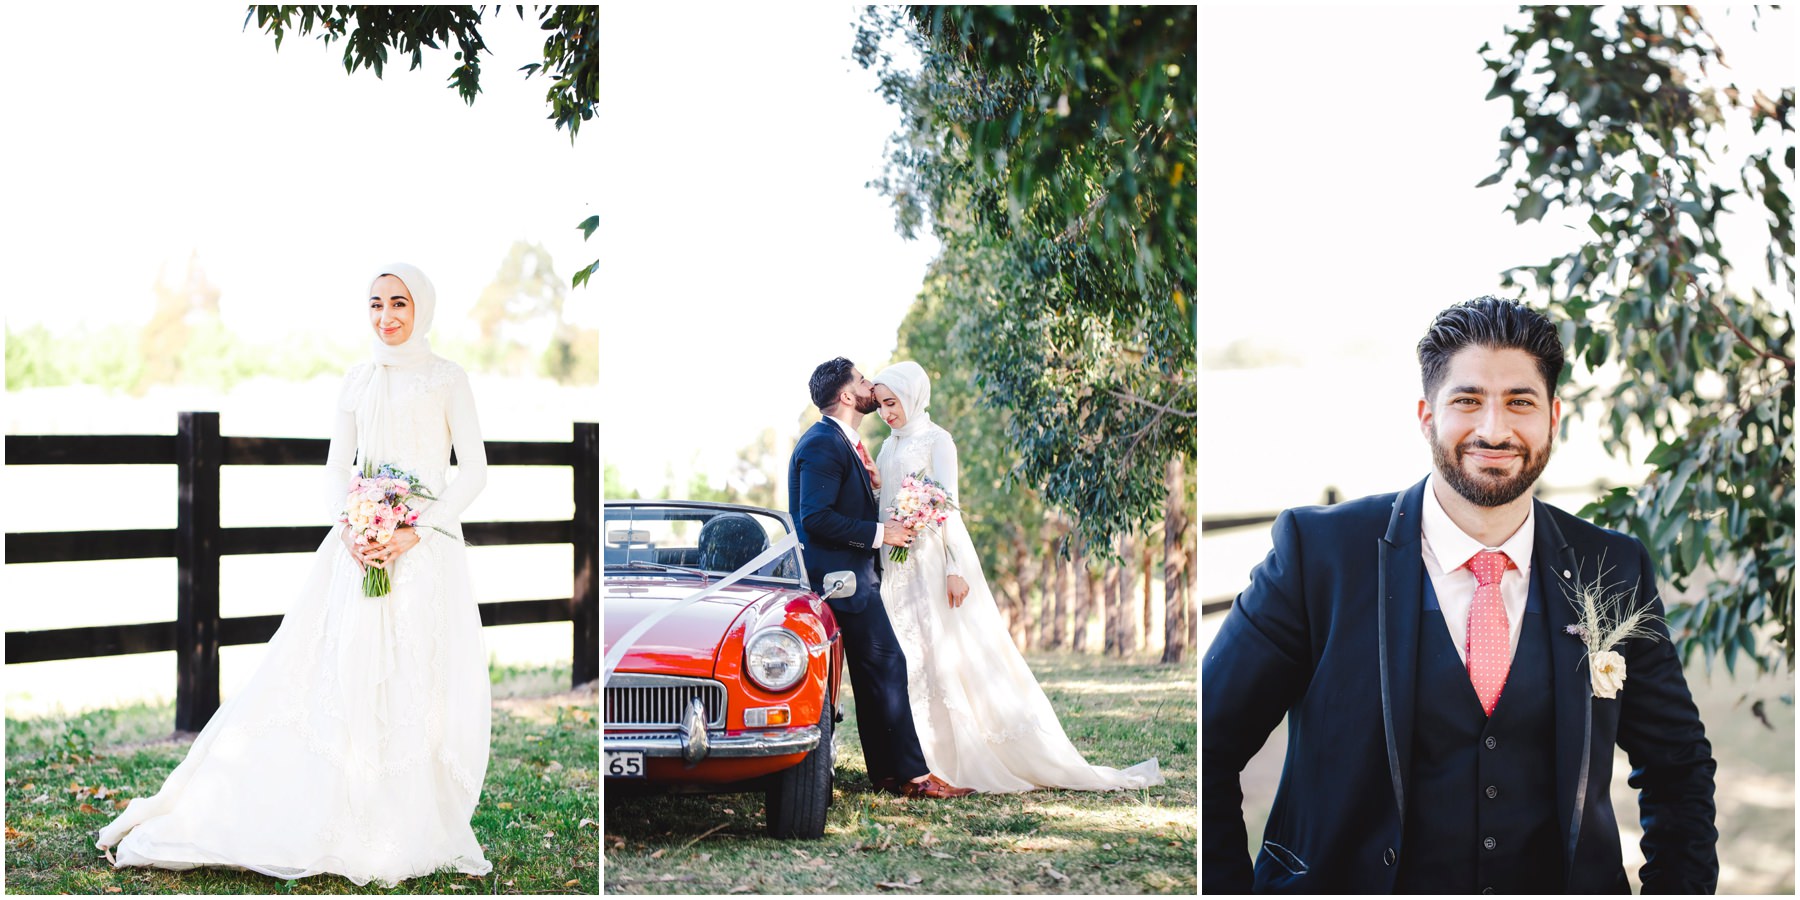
column 838, row 382
column 1452, row 662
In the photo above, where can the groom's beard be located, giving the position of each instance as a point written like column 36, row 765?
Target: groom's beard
column 869, row 404
column 1490, row 488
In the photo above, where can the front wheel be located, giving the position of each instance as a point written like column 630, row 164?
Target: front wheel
column 800, row 796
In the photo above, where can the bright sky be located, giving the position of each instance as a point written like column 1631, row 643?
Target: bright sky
column 739, row 245
column 128, row 148
column 1339, row 214
column 187, row 132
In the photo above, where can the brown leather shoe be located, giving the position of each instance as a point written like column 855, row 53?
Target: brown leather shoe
column 933, row 788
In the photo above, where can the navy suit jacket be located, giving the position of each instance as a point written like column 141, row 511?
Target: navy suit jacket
column 835, row 513
column 1327, row 634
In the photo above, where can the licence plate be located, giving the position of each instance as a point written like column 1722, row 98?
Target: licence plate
column 624, row 764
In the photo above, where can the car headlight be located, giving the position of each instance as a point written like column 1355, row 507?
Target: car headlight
column 775, row 658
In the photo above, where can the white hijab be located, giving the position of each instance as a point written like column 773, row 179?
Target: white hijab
column 367, row 395
column 912, row 387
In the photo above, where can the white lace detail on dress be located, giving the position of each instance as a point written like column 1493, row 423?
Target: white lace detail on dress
column 360, row 744
column 982, row 720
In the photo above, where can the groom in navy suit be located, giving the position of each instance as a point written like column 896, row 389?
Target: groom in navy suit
column 1449, row 728
column 832, row 489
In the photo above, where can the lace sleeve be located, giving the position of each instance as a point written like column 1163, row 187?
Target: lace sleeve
column 471, row 460
column 944, row 469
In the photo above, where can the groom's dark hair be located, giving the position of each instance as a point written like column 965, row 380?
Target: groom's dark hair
column 827, row 380
column 1493, row 323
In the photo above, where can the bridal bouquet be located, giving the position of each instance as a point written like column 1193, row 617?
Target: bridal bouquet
column 922, row 503
column 381, row 501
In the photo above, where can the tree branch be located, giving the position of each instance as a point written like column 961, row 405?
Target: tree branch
column 1186, row 414
column 1787, row 361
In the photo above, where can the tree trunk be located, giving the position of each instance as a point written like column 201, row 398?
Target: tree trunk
column 1021, row 617
column 1046, row 615
column 1113, row 625
column 1146, row 565
column 1063, row 602
column 1178, row 561
column 1131, row 639
column 1087, row 589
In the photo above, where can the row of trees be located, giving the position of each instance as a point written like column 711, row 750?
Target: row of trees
column 521, row 330
column 1118, row 604
column 1630, row 119
column 1051, row 150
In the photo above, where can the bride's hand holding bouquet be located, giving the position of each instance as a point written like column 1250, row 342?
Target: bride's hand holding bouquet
column 380, row 514
column 921, row 504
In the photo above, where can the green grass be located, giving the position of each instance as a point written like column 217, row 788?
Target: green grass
column 1072, row 842
column 67, row 777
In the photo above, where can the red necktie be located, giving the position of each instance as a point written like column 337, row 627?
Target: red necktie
column 1489, row 645
column 868, row 466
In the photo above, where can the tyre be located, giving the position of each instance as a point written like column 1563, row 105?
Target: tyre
column 800, row 796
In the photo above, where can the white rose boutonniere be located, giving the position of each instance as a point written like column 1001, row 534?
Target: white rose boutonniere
column 1609, row 673
column 1602, row 625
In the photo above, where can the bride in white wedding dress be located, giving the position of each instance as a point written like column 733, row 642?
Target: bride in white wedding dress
column 982, row 719
column 359, row 746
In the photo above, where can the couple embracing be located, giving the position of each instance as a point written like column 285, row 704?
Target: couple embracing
column 946, row 705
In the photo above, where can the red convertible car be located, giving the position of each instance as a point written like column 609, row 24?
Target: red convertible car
column 734, row 691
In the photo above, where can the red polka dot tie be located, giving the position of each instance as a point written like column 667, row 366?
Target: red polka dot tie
column 1488, row 646
column 869, row 466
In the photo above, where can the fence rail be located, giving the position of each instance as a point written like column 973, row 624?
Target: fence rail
column 197, row 542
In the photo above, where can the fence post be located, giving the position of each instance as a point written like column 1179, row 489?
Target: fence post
column 584, row 603
column 199, row 451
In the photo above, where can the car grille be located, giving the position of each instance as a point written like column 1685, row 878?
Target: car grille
column 657, row 701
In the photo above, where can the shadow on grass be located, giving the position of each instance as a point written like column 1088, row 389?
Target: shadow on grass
column 67, row 777
column 1142, row 841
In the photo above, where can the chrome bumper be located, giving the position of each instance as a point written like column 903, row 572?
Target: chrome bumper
column 695, row 746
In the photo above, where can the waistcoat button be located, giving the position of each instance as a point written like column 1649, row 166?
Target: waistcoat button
column 1387, row 857
column 1491, row 743
column 1492, row 792
column 1489, row 843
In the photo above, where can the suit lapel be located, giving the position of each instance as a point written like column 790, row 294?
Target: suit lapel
column 850, row 448
column 1399, row 597
column 1570, row 682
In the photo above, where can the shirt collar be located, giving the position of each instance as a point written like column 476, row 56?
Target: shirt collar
column 1453, row 547
column 847, row 430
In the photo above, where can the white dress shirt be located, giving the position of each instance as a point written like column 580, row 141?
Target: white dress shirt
column 855, row 439
column 1447, row 550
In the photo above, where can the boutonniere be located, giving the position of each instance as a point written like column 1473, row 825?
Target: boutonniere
column 1604, row 624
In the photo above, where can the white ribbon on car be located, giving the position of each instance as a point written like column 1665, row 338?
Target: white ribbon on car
column 626, row 640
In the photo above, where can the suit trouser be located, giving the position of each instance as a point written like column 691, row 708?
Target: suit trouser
column 878, row 677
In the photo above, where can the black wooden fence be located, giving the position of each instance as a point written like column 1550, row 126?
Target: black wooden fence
column 197, row 450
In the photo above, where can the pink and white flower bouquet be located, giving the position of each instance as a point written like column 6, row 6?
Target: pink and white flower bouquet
column 382, row 499
column 921, row 503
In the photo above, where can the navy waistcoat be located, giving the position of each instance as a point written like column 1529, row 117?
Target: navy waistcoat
column 1481, row 806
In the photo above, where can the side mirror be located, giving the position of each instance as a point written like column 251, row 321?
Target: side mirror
column 839, row 584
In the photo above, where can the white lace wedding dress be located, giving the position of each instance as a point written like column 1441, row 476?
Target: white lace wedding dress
column 360, row 744
column 982, row 719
